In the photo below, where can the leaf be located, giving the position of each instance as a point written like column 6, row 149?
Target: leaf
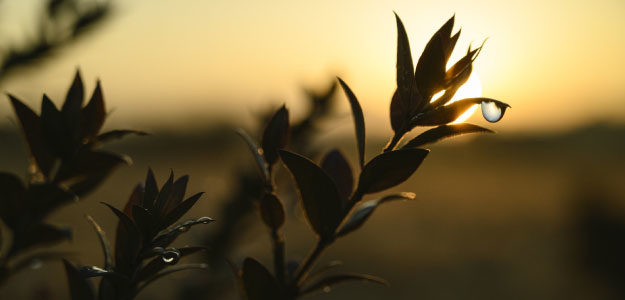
column 337, row 167
column 333, row 280
column 88, row 169
column 127, row 241
column 57, row 137
column 359, row 121
column 180, row 210
column 168, row 271
column 11, row 199
column 116, row 135
column 449, row 113
column 93, row 114
column 389, row 169
column 169, row 235
column 151, row 191
column 79, row 287
column 442, row 132
column 272, row 211
column 145, row 221
column 93, row 271
column 404, row 98
column 136, row 198
column 430, row 70
column 75, row 96
column 104, row 242
column 37, row 235
column 362, row 213
column 275, row 135
column 318, row 192
column 258, row 282
column 32, row 129
column 258, row 154
column 164, row 195
column 43, row 198
column 177, row 194
column 157, row 264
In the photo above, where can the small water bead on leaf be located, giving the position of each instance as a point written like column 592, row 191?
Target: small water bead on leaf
column 170, row 256
column 493, row 111
column 205, row 220
column 183, row 228
column 35, row 264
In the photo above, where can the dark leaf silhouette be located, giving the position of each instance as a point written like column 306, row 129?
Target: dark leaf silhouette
column 362, row 213
column 55, row 133
column 449, row 113
column 272, row 211
column 11, row 194
column 37, row 234
column 171, row 270
column 32, row 130
column 157, row 264
column 164, row 195
column 318, row 193
column 359, row 121
column 258, row 154
column 337, row 167
column 390, row 169
column 169, row 235
column 333, row 280
column 430, row 70
column 116, row 134
column 180, row 210
column 71, row 109
column 127, row 240
column 275, row 135
column 79, row 287
column 104, row 242
column 259, row 283
column 93, row 114
column 151, row 191
column 442, row 132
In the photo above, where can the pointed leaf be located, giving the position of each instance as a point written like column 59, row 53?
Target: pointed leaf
column 151, row 191
column 104, row 242
column 55, row 134
column 79, row 287
column 259, row 283
column 136, row 198
column 449, row 113
column 362, row 213
column 93, row 114
column 164, row 195
column 180, row 210
column 116, row 135
column 405, row 74
column 318, row 193
column 32, row 129
column 333, row 280
column 442, row 132
column 75, row 96
column 275, row 135
column 169, row 235
column 337, row 167
column 430, row 70
column 359, row 121
column 272, row 211
column 258, row 154
column 127, row 241
column 390, row 169
column 93, row 271
column 88, row 169
column 157, row 264
column 177, row 194
column 145, row 221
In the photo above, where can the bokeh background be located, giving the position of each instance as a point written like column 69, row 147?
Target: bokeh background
column 536, row 211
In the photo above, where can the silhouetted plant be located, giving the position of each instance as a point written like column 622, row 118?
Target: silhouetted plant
column 64, row 163
column 143, row 251
column 332, row 202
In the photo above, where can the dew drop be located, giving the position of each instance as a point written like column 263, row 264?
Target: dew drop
column 205, row 220
column 170, row 256
column 327, row 289
column 492, row 111
column 183, row 228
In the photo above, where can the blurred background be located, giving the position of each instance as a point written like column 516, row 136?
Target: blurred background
column 534, row 211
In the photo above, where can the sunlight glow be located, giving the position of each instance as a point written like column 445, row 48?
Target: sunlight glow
column 472, row 88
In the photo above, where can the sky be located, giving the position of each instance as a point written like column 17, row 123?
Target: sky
column 182, row 63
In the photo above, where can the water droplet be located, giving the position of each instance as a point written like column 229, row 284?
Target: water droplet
column 327, row 289
column 35, row 264
column 183, row 228
column 170, row 256
column 493, row 111
column 205, row 220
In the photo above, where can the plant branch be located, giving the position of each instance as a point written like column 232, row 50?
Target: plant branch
column 278, row 254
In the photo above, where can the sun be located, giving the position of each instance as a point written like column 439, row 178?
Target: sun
column 472, row 88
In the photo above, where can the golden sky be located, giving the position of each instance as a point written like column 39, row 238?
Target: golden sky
column 557, row 63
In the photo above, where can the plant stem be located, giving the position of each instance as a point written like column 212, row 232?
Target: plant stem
column 278, row 254
column 309, row 261
column 394, row 141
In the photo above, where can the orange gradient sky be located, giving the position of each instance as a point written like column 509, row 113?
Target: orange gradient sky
column 165, row 63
